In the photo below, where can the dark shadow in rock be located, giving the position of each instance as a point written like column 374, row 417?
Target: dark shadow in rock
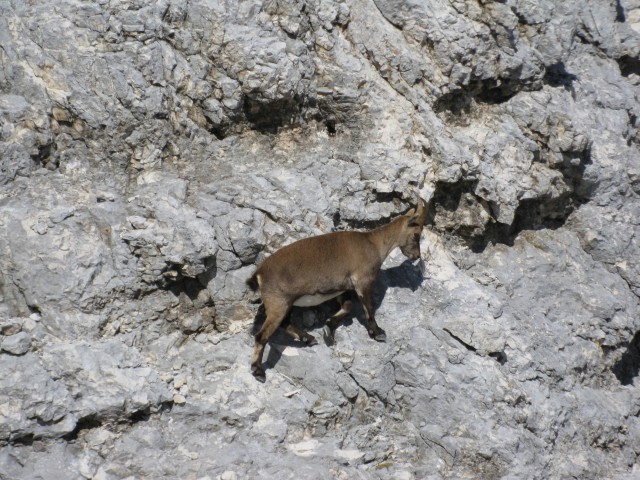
column 85, row 423
column 501, row 357
column 274, row 356
column 44, row 154
column 269, row 116
column 405, row 275
column 142, row 415
column 531, row 214
column 459, row 102
column 628, row 367
column 620, row 13
column 25, row 439
column 192, row 298
column 494, row 92
column 189, row 286
column 556, row 75
column 629, row 65
column 280, row 338
column 456, row 103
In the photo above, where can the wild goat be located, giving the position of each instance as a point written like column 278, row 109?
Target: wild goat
column 313, row 270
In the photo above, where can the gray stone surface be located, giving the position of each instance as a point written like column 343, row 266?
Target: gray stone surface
column 153, row 153
column 17, row 344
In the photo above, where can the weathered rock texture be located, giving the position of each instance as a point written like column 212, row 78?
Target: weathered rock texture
column 153, row 152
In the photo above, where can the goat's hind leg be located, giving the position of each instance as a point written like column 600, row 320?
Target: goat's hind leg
column 333, row 322
column 276, row 312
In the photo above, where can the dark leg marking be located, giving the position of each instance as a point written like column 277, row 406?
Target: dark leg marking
column 373, row 329
column 300, row 335
column 333, row 322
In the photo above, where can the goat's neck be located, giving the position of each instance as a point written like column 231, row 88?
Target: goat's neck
column 385, row 238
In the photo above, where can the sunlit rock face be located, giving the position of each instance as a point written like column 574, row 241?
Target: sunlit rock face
column 152, row 153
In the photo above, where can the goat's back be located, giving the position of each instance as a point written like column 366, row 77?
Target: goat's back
column 321, row 264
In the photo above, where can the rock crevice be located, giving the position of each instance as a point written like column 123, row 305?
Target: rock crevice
column 153, row 153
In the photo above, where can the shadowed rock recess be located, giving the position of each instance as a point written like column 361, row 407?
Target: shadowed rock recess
column 153, row 152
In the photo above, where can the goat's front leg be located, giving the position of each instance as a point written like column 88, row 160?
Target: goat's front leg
column 375, row 332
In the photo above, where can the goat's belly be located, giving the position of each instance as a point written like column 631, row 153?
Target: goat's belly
column 317, row 299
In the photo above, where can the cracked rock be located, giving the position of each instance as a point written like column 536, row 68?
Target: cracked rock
column 154, row 153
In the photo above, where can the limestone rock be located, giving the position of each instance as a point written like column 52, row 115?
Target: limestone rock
column 153, row 153
column 17, row 344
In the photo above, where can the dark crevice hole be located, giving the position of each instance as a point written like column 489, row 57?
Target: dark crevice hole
column 471, row 348
column 187, row 285
column 268, row 117
column 494, row 92
column 44, row 152
column 86, row 423
column 26, row 439
column 626, row 369
column 447, row 195
column 174, row 281
column 140, row 415
column 353, row 224
column 217, row 131
column 544, row 213
column 500, row 357
column 629, row 65
column 457, row 102
column 620, row 14
column 331, row 126
column 556, row 75
column 489, row 91
column 337, row 219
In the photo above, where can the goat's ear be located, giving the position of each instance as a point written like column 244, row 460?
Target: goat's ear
column 418, row 216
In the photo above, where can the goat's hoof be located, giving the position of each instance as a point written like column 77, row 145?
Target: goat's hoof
column 327, row 333
column 310, row 341
column 378, row 335
column 258, row 373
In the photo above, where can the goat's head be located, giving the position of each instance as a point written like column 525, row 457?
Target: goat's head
column 409, row 241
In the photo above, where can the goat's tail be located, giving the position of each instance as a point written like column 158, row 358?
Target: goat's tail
column 252, row 282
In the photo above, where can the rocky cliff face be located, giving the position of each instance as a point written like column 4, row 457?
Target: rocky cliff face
column 153, row 152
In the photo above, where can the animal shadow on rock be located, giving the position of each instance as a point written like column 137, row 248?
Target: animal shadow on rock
column 405, row 275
